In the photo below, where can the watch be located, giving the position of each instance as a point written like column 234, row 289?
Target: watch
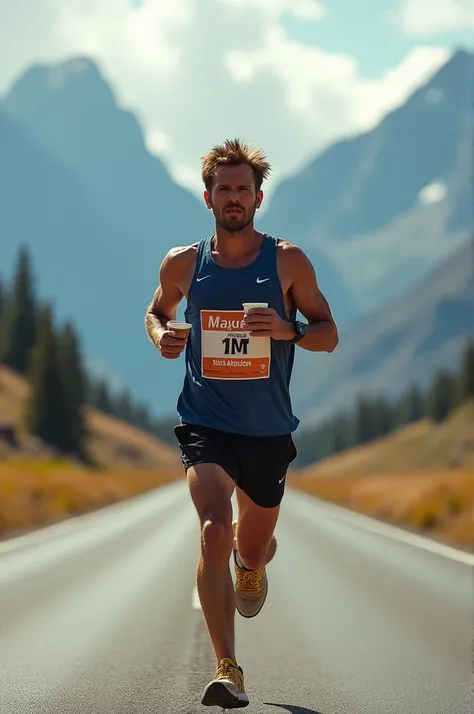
column 300, row 329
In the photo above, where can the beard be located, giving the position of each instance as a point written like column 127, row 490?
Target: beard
column 236, row 224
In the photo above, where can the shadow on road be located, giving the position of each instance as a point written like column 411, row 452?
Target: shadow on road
column 292, row 708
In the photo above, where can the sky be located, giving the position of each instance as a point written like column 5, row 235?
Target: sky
column 289, row 75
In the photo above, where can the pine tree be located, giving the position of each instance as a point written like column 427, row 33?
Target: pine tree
column 100, row 396
column 123, row 408
column 465, row 386
column 342, row 434
column 442, row 396
column 47, row 409
column 19, row 321
column 142, row 418
column 90, row 388
column 363, row 429
column 310, row 444
column 321, row 444
column 164, row 429
column 74, row 386
column 411, row 407
column 383, row 419
column 3, row 301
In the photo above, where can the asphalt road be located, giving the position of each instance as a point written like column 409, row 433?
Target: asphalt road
column 99, row 615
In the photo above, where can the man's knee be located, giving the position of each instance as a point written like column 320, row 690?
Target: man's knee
column 216, row 536
column 211, row 490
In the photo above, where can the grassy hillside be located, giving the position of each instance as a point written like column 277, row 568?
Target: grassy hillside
column 37, row 488
column 37, row 493
column 423, row 445
column 421, row 477
column 111, row 442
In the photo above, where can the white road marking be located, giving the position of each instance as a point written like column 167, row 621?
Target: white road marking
column 391, row 531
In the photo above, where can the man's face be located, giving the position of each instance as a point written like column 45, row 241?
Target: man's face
column 233, row 198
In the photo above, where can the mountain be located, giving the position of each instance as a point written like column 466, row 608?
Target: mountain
column 390, row 203
column 395, row 345
column 71, row 112
column 98, row 212
column 82, row 257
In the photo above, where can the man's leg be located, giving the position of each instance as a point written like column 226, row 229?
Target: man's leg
column 211, row 490
column 254, row 533
column 265, row 463
column 254, row 547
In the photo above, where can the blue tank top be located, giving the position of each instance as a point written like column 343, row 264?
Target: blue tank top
column 234, row 382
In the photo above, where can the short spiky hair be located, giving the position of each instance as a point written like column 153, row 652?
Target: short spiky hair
column 234, row 153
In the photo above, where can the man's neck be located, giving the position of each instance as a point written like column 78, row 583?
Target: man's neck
column 236, row 245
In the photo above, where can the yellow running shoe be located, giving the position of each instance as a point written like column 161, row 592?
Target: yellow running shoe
column 251, row 586
column 227, row 688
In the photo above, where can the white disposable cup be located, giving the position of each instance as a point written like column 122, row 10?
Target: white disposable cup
column 249, row 305
column 177, row 326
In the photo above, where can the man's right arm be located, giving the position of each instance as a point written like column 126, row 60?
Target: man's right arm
column 163, row 307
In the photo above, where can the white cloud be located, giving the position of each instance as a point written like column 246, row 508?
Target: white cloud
column 433, row 193
column 421, row 17
column 195, row 73
column 157, row 142
column 303, row 9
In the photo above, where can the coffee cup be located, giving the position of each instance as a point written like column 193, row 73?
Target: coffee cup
column 249, row 305
column 177, row 326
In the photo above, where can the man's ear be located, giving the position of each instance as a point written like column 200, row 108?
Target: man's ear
column 207, row 199
column 259, row 199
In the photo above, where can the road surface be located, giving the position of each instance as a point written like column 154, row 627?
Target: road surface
column 99, row 615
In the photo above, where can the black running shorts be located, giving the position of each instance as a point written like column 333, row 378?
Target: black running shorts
column 257, row 464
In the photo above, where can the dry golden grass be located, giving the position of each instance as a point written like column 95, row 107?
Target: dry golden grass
column 40, row 490
column 34, row 494
column 13, row 392
column 420, row 446
column 421, row 477
column 441, row 503
column 111, row 442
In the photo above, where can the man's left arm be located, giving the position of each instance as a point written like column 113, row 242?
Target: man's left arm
column 321, row 330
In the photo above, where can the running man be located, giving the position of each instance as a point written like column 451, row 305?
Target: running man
column 236, row 417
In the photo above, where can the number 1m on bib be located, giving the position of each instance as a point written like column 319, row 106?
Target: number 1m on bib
column 228, row 351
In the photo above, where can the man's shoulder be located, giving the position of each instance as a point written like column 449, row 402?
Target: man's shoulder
column 180, row 256
column 182, row 252
column 289, row 251
column 293, row 262
column 179, row 261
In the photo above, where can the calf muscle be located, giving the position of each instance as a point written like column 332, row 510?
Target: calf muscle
column 255, row 539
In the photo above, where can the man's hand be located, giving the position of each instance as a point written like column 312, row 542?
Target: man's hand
column 265, row 322
column 171, row 343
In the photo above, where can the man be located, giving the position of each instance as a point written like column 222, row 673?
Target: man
column 236, row 419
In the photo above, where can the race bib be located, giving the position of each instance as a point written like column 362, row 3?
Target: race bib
column 228, row 351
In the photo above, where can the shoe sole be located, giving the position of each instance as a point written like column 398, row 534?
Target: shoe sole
column 216, row 694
